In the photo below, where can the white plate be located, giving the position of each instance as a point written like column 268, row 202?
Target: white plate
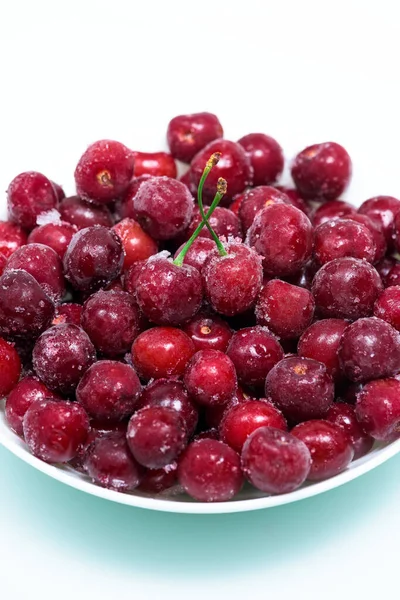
column 248, row 499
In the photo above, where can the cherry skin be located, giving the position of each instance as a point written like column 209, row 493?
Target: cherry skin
column 254, row 351
column 198, row 252
column 321, row 342
column 295, row 199
column 29, row 195
column 387, row 307
column 234, row 166
column 12, row 237
column 390, row 273
column 156, row 436
column 58, row 190
column 69, row 312
column 383, row 210
column 243, row 419
column 343, row 237
column 55, row 431
column 257, row 198
column 82, row 214
column 301, row 388
column 370, row 349
column 137, row 244
column 322, row 171
column 104, row 171
column 209, row 471
column 232, row 282
column 378, row 409
column 346, row 288
column 27, row 390
column 266, row 157
column 124, row 207
column 163, row 207
column 55, row 235
column 171, row 393
column 3, row 262
column 330, row 448
column 160, row 288
column 156, row 164
column 188, row 134
column 287, row 310
column 10, row 367
column 282, row 234
column 61, row 356
column 208, row 331
column 334, row 209
column 112, row 320
column 25, row 308
column 344, row 416
column 156, row 481
column 93, row 259
column 109, row 463
column 161, row 352
column 223, row 221
column 275, row 461
column 210, row 377
column 43, row 264
column 376, row 230
column 214, row 413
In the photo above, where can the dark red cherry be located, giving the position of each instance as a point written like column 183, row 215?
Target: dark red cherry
column 56, row 235
column 208, row 331
column 12, row 237
column 29, row 195
column 256, row 199
column 188, row 134
column 266, row 157
column 82, row 214
column 156, row 164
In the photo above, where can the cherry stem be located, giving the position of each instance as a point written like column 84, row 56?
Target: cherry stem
column 212, row 161
column 181, row 256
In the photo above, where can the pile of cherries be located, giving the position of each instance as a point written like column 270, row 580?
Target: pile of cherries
column 166, row 334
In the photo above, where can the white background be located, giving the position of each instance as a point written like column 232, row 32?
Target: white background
column 303, row 71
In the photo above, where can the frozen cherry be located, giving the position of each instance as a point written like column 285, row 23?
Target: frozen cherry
column 295, row 199
column 305, row 276
column 58, row 190
column 112, row 321
column 330, row 448
column 137, row 244
column 109, row 390
column 321, row 342
column 12, row 237
column 232, row 281
column 188, row 134
column 287, row 310
column 171, row 393
column 61, row 356
column 55, row 431
column 208, row 331
column 104, row 171
column 198, row 252
column 241, row 420
column 301, row 388
column 378, row 409
column 254, row 351
column 27, row 391
column 210, row 377
column 383, row 210
column 161, row 352
column 29, row 195
column 376, row 230
column 94, row 258
column 387, row 307
column 214, row 413
column 156, row 164
column 10, row 367
column 124, row 207
column 234, row 166
column 334, row 209
column 346, row 288
column 56, row 235
column 223, row 221
column 156, row 481
column 322, row 171
column 275, row 461
column 25, row 308
column 256, row 199
column 370, row 349
column 266, row 157
column 76, row 211
column 343, row 237
column 163, row 207
column 110, row 463
column 168, row 294
column 69, row 312
column 282, row 234
column 43, row 264
column 156, row 436
column 209, row 471
column 344, row 416
column 384, row 267
column 392, row 275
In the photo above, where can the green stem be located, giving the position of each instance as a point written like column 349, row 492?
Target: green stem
column 181, row 256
